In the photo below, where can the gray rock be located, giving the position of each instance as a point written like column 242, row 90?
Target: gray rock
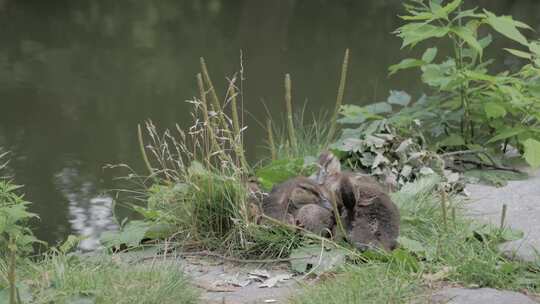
column 479, row 296
column 523, row 212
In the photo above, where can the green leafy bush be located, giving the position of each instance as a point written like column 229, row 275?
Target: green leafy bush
column 469, row 106
column 16, row 239
column 480, row 107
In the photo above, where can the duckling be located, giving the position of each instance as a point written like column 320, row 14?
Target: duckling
column 373, row 221
column 299, row 201
column 367, row 213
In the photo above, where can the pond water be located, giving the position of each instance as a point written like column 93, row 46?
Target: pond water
column 76, row 77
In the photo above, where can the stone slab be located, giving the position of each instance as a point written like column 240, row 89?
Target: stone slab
column 523, row 212
column 479, row 296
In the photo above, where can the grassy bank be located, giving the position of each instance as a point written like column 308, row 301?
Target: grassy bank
column 59, row 278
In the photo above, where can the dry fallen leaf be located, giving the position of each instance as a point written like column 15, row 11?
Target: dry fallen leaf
column 273, row 281
column 210, row 288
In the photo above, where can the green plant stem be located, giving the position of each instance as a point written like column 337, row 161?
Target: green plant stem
column 444, row 208
column 215, row 148
column 215, row 100
column 237, row 134
column 11, row 273
column 288, row 104
column 271, row 139
column 143, row 151
column 339, row 97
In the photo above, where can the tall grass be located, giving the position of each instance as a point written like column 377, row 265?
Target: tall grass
column 199, row 176
column 305, row 137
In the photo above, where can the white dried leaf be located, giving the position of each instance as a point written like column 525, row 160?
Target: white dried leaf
column 379, row 159
column 273, row 281
column 404, row 145
column 406, row 171
column 426, row 171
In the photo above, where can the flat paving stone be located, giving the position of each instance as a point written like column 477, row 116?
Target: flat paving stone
column 523, row 212
column 479, row 296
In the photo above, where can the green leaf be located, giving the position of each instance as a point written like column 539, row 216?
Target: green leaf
column 486, row 41
column 413, row 33
column 494, row 110
column 452, row 141
column 160, row 231
column 279, row 171
column 404, row 259
column 405, row 64
column 452, row 6
column 468, row 36
column 505, row 133
column 316, row 259
column 399, row 97
column 508, row 234
column 419, row 17
column 71, row 242
column 519, row 54
column 532, row 152
column 469, row 13
column 429, row 55
column 438, row 75
column 131, row 235
column 353, row 114
column 411, row 245
column 535, row 48
column 522, row 25
column 506, row 26
column 410, row 191
column 379, row 108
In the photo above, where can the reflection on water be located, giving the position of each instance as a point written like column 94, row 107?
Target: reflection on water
column 89, row 215
column 77, row 76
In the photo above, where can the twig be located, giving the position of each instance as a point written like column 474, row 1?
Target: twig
column 231, row 259
column 503, row 216
column 463, row 152
column 494, row 166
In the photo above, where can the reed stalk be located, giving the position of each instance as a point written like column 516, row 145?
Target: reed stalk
column 208, row 124
column 143, row 151
column 214, row 98
column 271, row 139
column 288, row 103
column 444, row 206
column 339, row 97
column 237, row 135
